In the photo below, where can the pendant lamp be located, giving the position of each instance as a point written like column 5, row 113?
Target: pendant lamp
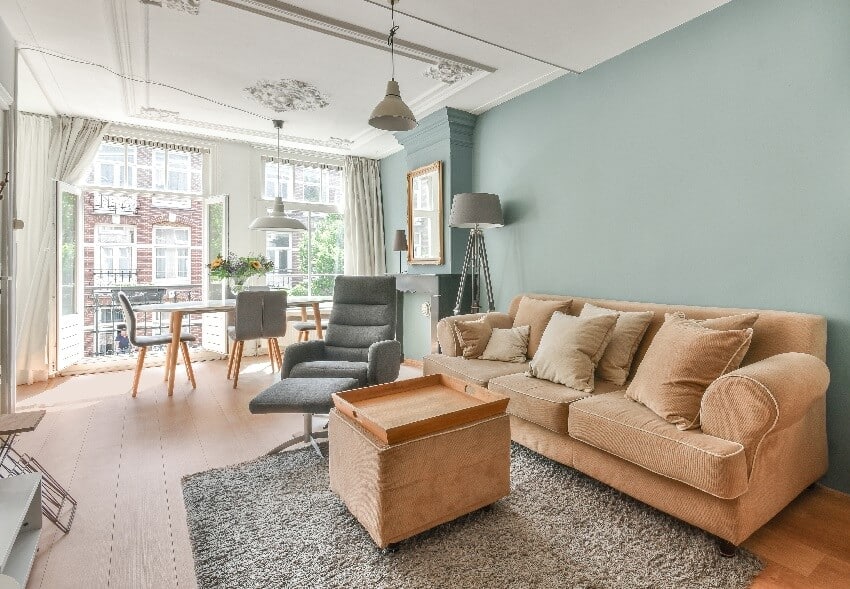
column 276, row 219
column 392, row 114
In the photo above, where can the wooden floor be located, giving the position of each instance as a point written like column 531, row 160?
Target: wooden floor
column 123, row 458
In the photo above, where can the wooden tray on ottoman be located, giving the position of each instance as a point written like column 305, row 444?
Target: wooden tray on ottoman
column 408, row 409
column 410, row 455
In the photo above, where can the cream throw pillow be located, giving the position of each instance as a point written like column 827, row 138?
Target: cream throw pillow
column 616, row 362
column 684, row 358
column 570, row 348
column 507, row 345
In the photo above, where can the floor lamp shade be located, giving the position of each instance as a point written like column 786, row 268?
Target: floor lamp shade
column 476, row 210
column 400, row 241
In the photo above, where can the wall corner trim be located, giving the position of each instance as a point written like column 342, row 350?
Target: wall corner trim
column 5, row 99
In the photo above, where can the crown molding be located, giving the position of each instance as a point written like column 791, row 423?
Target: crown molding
column 320, row 23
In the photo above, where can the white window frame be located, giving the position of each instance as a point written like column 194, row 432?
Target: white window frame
column 156, row 247
column 133, row 169
column 99, row 246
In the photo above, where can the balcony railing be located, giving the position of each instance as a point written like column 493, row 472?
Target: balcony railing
column 104, row 317
column 114, row 277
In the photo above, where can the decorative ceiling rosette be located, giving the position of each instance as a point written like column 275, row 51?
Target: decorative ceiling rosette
column 288, row 95
column 449, row 72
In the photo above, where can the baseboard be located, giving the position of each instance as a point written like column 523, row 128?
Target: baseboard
column 412, row 362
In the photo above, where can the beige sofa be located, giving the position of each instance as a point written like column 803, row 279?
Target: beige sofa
column 763, row 434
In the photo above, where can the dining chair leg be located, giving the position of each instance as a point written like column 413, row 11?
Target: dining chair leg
column 230, row 361
column 272, row 353
column 139, row 366
column 167, row 361
column 190, row 372
column 277, row 354
column 238, row 364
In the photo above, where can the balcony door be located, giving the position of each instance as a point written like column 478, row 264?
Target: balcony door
column 69, row 282
column 214, row 325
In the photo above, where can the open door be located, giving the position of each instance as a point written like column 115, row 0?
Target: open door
column 69, row 275
column 214, row 325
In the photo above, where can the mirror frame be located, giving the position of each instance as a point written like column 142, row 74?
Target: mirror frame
column 434, row 168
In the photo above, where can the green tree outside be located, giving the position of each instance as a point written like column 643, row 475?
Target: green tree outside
column 327, row 255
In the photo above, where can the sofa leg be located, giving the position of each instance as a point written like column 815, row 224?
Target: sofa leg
column 726, row 548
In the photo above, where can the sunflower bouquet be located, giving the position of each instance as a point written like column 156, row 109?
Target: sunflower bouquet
column 239, row 268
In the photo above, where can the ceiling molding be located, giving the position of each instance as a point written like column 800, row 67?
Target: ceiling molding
column 530, row 85
column 314, row 21
column 172, row 117
column 189, row 6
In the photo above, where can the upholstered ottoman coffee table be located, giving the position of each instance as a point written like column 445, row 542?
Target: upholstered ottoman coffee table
column 410, row 455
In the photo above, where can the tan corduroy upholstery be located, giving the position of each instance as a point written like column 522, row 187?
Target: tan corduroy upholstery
column 396, row 491
column 447, row 335
column 473, row 336
column 775, row 393
column 684, row 358
column 614, row 423
column 542, row 402
column 536, row 314
column 475, row 371
column 773, row 407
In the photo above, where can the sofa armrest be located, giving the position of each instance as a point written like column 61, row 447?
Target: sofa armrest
column 770, row 395
column 447, row 336
column 384, row 361
column 299, row 352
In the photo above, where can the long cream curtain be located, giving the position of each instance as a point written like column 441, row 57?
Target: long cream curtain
column 364, row 218
column 48, row 149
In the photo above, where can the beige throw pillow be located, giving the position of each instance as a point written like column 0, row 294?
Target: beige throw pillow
column 536, row 314
column 473, row 336
column 616, row 362
column 570, row 348
column 507, row 345
column 683, row 359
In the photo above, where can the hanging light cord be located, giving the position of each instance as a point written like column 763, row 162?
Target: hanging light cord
column 391, row 38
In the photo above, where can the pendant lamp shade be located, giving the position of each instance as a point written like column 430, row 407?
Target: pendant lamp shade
column 276, row 219
column 392, row 114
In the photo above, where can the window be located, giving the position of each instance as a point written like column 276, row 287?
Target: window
column 111, row 315
column 115, row 255
column 306, row 263
column 147, row 167
column 303, row 183
column 171, row 254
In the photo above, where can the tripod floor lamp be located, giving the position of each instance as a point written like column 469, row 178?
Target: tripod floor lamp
column 476, row 211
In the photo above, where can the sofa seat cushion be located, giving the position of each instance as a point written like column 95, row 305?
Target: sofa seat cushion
column 625, row 428
column 475, row 371
column 541, row 401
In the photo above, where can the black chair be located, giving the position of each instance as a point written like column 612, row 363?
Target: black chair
column 142, row 342
column 360, row 339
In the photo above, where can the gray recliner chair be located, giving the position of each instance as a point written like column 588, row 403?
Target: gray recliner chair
column 360, row 339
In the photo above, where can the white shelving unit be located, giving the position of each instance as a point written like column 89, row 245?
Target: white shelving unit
column 20, row 527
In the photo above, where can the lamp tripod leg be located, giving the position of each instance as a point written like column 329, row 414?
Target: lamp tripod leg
column 475, row 307
column 486, row 271
column 466, row 262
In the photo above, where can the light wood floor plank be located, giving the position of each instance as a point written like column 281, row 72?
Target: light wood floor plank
column 123, row 459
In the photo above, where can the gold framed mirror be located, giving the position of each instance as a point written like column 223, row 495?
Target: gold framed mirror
column 425, row 214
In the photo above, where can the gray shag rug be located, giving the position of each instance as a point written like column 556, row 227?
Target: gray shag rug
column 273, row 522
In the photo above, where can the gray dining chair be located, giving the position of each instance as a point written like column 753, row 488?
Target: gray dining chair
column 259, row 315
column 143, row 342
column 360, row 339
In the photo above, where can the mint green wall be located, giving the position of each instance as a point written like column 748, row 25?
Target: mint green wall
column 709, row 166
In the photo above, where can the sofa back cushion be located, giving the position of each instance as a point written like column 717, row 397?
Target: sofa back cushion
column 775, row 332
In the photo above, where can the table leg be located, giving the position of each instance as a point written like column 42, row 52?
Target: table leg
column 176, row 325
column 317, row 315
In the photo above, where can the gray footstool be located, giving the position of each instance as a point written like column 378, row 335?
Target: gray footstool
column 309, row 396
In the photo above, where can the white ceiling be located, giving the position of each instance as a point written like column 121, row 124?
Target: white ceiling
column 337, row 46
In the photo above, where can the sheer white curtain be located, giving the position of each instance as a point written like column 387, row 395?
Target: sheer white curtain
column 48, row 150
column 364, row 218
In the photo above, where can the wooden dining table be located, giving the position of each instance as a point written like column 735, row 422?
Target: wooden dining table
column 180, row 309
